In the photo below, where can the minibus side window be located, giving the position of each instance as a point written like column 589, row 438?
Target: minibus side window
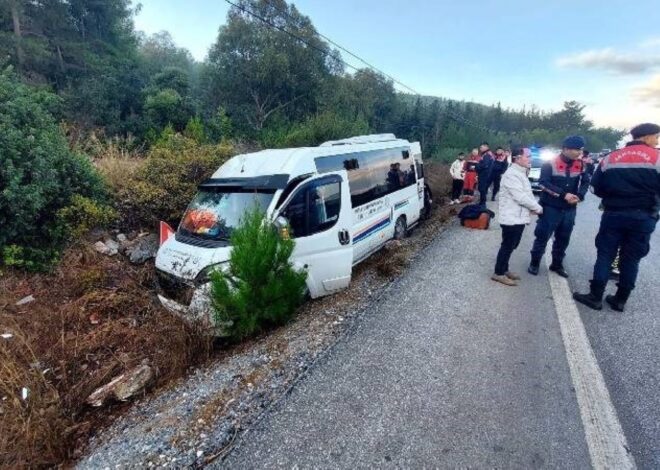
column 314, row 209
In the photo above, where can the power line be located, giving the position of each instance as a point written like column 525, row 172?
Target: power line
column 455, row 117
column 338, row 46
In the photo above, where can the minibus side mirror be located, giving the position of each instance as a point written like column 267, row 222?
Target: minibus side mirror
column 281, row 224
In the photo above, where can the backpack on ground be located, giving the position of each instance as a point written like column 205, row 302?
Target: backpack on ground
column 476, row 216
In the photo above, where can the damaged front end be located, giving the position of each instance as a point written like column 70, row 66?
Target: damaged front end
column 183, row 280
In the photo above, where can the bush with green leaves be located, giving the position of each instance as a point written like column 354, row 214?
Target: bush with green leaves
column 166, row 180
column 39, row 176
column 261, row 289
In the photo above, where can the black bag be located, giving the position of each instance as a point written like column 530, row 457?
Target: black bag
column 476, row 216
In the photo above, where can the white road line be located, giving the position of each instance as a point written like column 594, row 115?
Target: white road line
column 608, row 447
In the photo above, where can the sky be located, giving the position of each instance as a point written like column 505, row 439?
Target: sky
column 516, row 52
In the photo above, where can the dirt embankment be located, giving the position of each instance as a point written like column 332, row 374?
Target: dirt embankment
column 67, row 333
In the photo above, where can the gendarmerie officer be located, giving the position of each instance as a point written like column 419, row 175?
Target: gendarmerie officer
column 628, row 181
column 564, row 184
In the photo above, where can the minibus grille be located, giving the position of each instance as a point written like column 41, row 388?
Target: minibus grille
column 175, row 289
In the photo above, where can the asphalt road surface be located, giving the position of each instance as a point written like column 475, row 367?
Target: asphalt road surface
column 453, row 370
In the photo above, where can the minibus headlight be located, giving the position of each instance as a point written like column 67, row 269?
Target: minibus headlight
column 204, row 275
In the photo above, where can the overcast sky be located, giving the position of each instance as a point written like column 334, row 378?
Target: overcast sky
column 517, row 52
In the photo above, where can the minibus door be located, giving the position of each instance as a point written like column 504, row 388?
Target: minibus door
column 319, row 219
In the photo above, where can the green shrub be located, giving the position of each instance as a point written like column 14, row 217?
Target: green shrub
column 261, row 289
column 195, row 130
column 39, row 176
column 166, row 180
column 83, row 215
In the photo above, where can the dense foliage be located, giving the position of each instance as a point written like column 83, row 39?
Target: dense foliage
column 39, row 177
column 257, row 83
column 261, row 289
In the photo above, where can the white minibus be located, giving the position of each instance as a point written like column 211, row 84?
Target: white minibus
column 341, row 201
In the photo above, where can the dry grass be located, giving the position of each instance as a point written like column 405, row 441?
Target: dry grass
column 94, row 318
column 439, row 180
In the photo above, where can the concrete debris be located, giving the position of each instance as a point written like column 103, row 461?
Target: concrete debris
column 25, row 300
column 122, row 387
column 105, row 249
column 141, row 249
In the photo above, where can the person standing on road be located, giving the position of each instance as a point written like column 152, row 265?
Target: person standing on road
column 628, row 181
column 470, row 169
column 516, row 204
column 588, row 162
column 484, row 169
column 564, row 183
column 499, row 167
column 457, row 171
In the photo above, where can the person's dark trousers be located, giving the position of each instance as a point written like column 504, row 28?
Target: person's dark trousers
column 456, row 188
column 511, row 236
column 630, row 232
column 555, row 221
column 497, row 178
column 484, row 183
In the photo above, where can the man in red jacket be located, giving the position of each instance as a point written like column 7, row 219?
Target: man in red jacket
column 628, row 181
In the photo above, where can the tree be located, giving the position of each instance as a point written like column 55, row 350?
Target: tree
column 261, row 289
column 39, row 176
column 257, row 71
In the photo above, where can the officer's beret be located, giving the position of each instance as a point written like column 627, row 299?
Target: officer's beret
column 574, row 142
column 644, row 129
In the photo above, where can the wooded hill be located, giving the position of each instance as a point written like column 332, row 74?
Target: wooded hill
column 269, row 78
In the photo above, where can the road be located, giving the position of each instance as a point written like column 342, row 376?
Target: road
column 453, row 370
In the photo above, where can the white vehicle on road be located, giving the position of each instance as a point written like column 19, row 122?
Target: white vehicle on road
column 341, row 201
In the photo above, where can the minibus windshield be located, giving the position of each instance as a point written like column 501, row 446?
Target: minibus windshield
column 213, row 215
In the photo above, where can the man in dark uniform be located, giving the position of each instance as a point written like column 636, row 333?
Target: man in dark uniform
column 628, row 181
column 564, row 184
column 484, row 169
column 500, row 165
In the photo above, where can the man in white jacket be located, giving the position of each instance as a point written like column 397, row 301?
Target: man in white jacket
column 516, row 205
column 457, row 171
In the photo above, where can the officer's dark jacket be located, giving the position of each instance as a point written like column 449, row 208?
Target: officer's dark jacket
column 500, row 165
column 561, row 176
column 485, row 165
column 629, row 178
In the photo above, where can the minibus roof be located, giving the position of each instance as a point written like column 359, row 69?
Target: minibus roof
column 295, row 161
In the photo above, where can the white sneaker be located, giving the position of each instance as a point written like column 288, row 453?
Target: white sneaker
column 457, row 201
column 451, row 203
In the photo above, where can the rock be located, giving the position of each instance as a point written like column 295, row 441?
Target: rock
column 121, row 238
column 141, row 249
column 113, row 245
column 122, row 387
column 25, row 300
column 105, row 249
